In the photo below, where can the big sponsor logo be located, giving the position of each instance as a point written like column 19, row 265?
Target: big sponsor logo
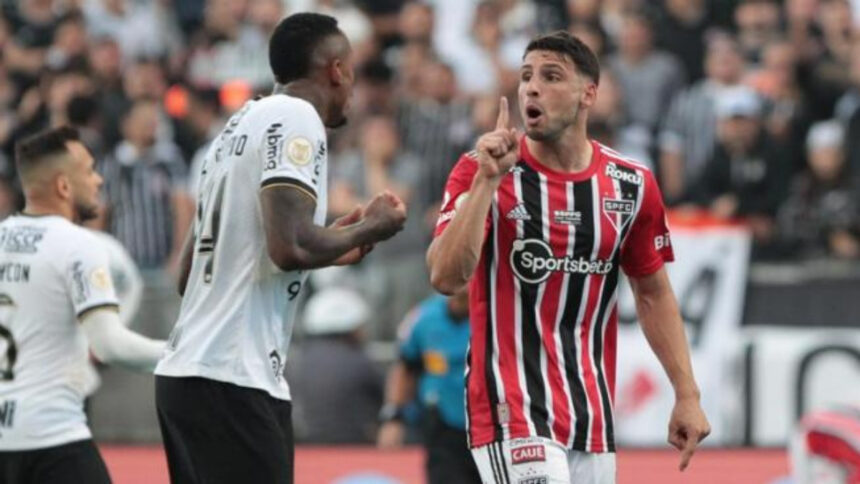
column 22, row 240
column 528, row 453
column 533, row 262
column 612, row 171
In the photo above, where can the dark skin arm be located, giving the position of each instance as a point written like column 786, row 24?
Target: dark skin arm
column 185, row 261
column 295, row 243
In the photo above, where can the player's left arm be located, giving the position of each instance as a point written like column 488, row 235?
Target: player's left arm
column 647, row 247
column 662, row 325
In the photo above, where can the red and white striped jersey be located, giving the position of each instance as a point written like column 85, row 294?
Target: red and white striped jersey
column 543, row 297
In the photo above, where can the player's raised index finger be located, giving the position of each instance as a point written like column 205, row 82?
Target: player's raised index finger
column 502, row 121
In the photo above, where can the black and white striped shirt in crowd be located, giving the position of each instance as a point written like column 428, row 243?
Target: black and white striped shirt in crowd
column 690, row 128
column 438, row 134
column 139, row 191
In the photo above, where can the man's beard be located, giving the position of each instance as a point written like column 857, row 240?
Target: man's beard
column 84, row 213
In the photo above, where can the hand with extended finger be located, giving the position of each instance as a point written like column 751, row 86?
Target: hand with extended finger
column 498, row 150
column 386, row 214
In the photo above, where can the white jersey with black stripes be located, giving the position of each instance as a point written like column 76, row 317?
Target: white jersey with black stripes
column 238, row 309
column 52, row 272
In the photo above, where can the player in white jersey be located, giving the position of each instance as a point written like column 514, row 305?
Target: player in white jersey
column 56, row 299
column 223, row 403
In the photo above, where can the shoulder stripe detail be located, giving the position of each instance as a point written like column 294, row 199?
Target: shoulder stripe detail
column 282, row 181
column 616, row 156
column 83, row 312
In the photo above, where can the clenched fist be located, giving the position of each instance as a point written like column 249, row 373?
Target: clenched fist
column 498, row 150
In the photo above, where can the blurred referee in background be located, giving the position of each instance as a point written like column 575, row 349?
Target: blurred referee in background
column 433, row 342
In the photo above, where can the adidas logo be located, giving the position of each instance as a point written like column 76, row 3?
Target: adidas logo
column 519, row 212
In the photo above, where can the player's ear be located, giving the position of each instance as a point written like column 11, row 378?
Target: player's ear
column 337, row 73
column 63, row 186
column 589, row 94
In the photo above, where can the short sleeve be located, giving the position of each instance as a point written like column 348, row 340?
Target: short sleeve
column 456, row 190
column 87, row 276
column 648, row 244
column 409, row 341
column 293, row 148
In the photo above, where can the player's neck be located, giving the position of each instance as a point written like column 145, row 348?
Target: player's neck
column 307, row 90
column 570, row 153
column 41, row 208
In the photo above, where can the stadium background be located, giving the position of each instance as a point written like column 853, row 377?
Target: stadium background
column 767, row 277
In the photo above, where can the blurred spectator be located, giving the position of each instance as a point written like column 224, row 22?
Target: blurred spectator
column 848, row 112
column 606, row 123
column 436, row 127
column 229, row 49
column 82, row 112
column 69, row 44
column 649, row 78
column 591, row 35
column 786, row 111
column 681, row 30
column 828, row 75
column 487, row 60
column 822, row 215
column 758, row 23
column 140, row 29
column 747, row 176
column 337, row 391
column 398, row 265
column 148, row 208
column 434, row 340
column 689, row 131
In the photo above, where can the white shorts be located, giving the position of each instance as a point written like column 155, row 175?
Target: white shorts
column 537, row 460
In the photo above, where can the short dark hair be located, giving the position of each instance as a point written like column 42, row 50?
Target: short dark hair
column 32, row 151
column 293, row 42
column 570, row 46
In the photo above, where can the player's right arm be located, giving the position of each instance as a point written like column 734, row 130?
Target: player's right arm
column 295, row 242
column 291, row 151
column 455, row 252
column 89, row 283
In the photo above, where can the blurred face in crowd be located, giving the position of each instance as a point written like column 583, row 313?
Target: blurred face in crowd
column 416, row 22
column 779, row 61
column 552, row 94
column 265, row 13
column 379, row 138
column 739, row 133
column 64, row 87
column 757, row 22
column 105, row 59
column 826, row 162
column 723, row 62
column 683, row 7
column 71, row 37
column 801, row 10
column 583, row 9
column 141, row 124
column 223, row 17
column 836, row 18
column 145, row 80
column 636, row 36
column 585, row 32
column 84, row 182
column 439, row 83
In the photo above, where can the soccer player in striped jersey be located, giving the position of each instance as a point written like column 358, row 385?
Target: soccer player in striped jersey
column 541, row 227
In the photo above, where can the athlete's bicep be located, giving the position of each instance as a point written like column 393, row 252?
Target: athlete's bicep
column 288, row 212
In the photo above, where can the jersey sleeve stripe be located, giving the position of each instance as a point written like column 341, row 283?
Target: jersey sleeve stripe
column 83, row 312
column 282, row 181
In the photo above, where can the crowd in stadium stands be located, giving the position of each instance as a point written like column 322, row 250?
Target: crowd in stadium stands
column 745, row 109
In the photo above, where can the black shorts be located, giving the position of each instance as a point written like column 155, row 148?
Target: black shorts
column 449, row 460
column 217, row 432
column 73, row 463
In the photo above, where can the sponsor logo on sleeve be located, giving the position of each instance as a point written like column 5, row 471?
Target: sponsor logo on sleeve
column 300, row 151
column 80, row 288
column 612, row 171
column 528, row 453
column 273, row 146
column 100, row 278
